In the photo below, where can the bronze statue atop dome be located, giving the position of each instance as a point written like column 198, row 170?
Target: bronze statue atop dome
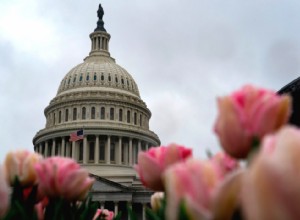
column 100, row 23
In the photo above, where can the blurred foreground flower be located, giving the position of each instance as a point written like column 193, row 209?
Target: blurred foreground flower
column 192, row 183
column 104, row 214
column 247, row 115
column 61, row 177
column 156, row 200
column 4, row 194
column 20, row 164
column 270, row 187
column 152, row 164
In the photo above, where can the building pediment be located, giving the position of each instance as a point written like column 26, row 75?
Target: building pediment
column 106, row 186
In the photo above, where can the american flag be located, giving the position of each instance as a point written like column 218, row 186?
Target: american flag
column 77, row 135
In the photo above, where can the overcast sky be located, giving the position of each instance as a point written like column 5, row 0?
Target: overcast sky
column 182, row 54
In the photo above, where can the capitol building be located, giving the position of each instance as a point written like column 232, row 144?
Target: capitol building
column 101, row 98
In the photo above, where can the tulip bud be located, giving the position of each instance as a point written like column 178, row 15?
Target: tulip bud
column 20, row 164
column 247, row 115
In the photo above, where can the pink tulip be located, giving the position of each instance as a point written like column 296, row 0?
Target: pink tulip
column 4, row 194
column 248, row 114
column 151, row 164
column 226, row 197
column 105, row 214
column 270, row 188
column 192, row 182
column 156, row 200
column 63, row 177
column 224, row 163
column 21, row 164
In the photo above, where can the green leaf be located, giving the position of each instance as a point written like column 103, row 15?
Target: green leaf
column 118, row 216
column 151, row 215
column 131, row 214
column 183, row 215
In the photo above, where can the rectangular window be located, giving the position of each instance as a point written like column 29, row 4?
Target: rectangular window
column 91, row 151
column 112, row 151
column 80, row 158
column 67, row 115
column 102, row 150
column 128, row 116
column 74, row 114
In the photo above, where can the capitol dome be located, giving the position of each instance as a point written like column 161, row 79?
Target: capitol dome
column 99, row 73
column 100, row 99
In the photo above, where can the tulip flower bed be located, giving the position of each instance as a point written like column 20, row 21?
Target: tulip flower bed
column 251, row 126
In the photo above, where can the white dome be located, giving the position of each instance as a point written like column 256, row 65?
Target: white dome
column 98, row 73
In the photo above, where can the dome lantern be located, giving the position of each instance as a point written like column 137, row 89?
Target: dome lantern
column 100, row 38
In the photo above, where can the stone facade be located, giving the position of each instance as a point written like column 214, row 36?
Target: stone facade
column 103, row 99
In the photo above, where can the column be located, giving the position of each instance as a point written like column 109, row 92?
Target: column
column 53, row 147
column 130, row 152
column 68, row 149
column 62, row 153
column 116, row 208
column 119, row 154
column 97, row 43
column 85, row 150
column 100, row 41
column 147, row 146
column 41, row 148
column 73, row 150
column 46, row 149
column 97, row 150
column 139, row 150
column 107, row 156
column 139, row 146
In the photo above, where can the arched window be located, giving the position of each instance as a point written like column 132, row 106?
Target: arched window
column 74, row 114
column 102, row 77
column 67, row 115
column 141, row 120
column 102, row 113
column 128, row 116
column 135, row 118
column 59, row 117
column 54, row 118
column 80, row 78
column 120, row 114
column 93, row 112
column 74, row 79
column 95, row 76
column 116, row 79
column 109, row 78
column 112, row 114
column 122, row 80
column 69, row 80
column 87, row 77
column 83, row 113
